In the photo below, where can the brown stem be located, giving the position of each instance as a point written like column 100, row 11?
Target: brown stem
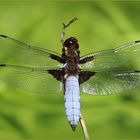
column 64, row 28
column 84, row 128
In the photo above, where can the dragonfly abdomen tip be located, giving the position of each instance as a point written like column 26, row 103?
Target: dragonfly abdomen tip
column 73, row 127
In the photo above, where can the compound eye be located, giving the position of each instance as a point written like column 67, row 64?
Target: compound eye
column 71, row 42
column 73, row 39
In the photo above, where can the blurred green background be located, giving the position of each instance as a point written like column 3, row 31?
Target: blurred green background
column 101, row 25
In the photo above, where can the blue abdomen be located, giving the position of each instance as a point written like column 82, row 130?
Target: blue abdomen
column 72, row 101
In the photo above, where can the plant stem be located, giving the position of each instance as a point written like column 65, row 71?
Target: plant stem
column 84, row 128
column 64, row 28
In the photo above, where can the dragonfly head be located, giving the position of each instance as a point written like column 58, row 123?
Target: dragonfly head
column 71, row 43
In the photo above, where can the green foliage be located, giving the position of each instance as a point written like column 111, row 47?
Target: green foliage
column 101, row 25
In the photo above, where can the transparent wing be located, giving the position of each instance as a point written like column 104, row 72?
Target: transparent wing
column 107, row 83
column 124, row 57
column 15, row 52
column 36, row 80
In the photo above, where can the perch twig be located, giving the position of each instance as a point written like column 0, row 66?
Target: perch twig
column 84, row 128
column 64, row 28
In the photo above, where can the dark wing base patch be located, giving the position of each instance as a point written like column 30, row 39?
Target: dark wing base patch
column 85, row 75
column 58, row 74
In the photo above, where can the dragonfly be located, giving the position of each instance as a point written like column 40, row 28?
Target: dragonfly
column 40, row 70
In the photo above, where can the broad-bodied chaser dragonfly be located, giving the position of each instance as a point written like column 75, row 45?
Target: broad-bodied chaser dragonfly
column 43, row 71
